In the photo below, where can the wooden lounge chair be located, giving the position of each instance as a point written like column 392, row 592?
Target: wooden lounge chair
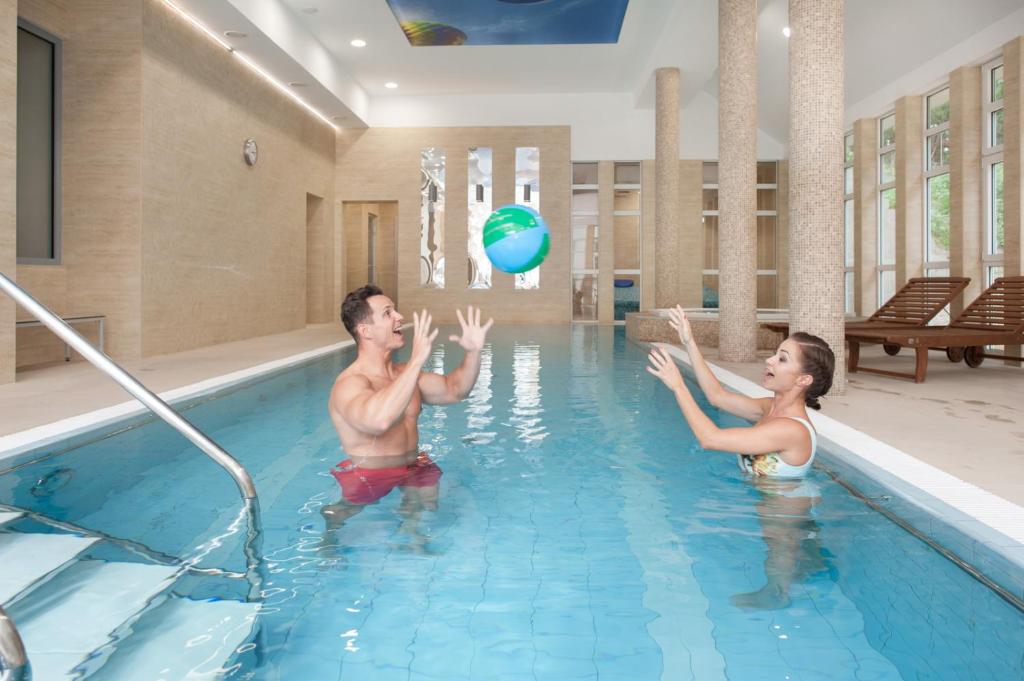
column 914, row 305
column 995, row 318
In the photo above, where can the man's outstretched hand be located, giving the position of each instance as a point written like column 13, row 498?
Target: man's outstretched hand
column 473, row 334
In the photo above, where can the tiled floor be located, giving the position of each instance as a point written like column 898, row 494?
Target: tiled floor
column 968, row 422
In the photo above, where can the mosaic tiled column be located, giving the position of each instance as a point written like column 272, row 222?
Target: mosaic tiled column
column 965, row 184
column 8, row 170
column 865, row 216
column 666, row 186
column 909, row 189
column 816, row 174
column 1013, row 163
column 737, row 179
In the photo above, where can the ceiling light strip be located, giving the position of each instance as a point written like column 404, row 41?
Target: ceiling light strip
column 248, row 62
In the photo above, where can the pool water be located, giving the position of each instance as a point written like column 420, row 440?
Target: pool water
column 578, row 532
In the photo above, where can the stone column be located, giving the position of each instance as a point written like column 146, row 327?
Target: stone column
column 1013, row 164
column 737, row 180
column 816, row 174
column 8, row 172
column 666, row 187
column 909, row 189
column 965, row 185
column 691, row 233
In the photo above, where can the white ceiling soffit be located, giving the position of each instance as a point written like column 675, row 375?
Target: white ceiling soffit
column 278, row 43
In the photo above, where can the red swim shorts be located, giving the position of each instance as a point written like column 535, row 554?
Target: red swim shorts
column 367, row 485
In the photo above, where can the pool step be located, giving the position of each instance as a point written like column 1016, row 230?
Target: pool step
column 77, row 610
column 27, row 559
column 181, row 639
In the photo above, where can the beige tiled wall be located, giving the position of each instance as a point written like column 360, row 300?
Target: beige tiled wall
column 383, row 164
column 223, row 244
column 909, row 182
column 356, row 229
column 865, row 215
column 1013, row 155
column 691, row 233
column 8, row 172
column 965, row 185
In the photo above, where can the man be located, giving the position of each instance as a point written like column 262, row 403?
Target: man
column 375, row 403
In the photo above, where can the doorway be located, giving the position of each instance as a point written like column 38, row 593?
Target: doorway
column 370, row 245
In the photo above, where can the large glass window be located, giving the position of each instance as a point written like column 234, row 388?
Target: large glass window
column 585, row 235
column 480, row 205
column 886, row 267
column 936, row 189
column 848, row 251
column 38, row 145
column 628, row 244
column 528, row 194
column 992, row 168
column 432, row 218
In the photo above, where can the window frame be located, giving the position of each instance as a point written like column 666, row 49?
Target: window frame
column 56, row 137
column 638, row 273
column 989, row 107
column 990, row 156
column 586, row 271
column 848, row 269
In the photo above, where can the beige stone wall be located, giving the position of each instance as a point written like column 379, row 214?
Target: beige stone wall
column 357, row 252
column 224, row 244
column 1013, row 155
column 606, row 241
column 691, row 233
column 865, row 215
column 383, row 164
column 648, row 229
column 666, row 186
column 965, row 185
column 8, row 173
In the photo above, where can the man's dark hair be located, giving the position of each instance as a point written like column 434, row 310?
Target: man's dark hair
column 355, row 310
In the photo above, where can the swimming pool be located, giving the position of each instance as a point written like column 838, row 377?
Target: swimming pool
column 579, row 533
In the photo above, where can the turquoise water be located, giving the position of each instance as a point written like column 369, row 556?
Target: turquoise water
column 579, row 532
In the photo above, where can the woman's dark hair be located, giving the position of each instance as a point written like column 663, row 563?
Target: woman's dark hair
column 818, row 360
column 355, row 310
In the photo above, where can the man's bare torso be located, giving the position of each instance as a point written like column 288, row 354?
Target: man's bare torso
column 397, row 446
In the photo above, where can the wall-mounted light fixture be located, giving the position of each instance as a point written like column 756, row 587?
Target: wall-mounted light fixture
column 526, row 192
column 432, row 193
column 479, row 193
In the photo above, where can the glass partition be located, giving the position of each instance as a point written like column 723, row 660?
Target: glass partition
column 432, row 218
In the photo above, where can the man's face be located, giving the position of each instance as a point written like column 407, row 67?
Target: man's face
column 384, row 327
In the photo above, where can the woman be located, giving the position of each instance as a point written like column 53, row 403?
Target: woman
column 782, row 442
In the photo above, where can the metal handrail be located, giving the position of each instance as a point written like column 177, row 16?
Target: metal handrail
column 130, row 384
column 13, row 662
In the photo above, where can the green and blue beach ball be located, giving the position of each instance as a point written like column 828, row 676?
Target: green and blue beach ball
column 516, row 238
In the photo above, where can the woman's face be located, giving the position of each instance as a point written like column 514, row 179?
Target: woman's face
column 784, row 370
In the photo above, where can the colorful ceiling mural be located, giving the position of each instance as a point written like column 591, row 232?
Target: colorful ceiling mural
column 509, row 22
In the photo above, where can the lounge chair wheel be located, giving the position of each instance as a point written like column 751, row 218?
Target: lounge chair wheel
column 891, row 349
column 955, row 354
column 974, row 356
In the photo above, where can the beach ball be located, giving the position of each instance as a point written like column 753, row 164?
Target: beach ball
column 516, row 238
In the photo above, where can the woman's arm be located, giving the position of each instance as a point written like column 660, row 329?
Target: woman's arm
column 776, row 435
column 739, row 405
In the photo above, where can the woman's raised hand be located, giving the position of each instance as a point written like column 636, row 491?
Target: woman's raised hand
column 664, row 367
column 677, row 318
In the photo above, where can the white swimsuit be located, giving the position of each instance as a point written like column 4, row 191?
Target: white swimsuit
column 772, row 465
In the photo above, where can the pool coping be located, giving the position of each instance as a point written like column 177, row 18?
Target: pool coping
column 972, row 522
column 15, row 444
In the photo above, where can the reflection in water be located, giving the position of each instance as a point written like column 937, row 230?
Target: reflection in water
column 478, row 405
column 792, row 536
column 526, row 401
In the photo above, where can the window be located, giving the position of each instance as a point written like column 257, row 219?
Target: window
column 992, row 168
column 38, row 150
column 849, row 251
column 479, row 209
column 886, row 267
column 584, row 242
column 627, row 239
column 528, row 194
column 936, row 186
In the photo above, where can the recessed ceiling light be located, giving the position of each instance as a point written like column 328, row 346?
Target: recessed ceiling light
column 235, row 34
column 358, row 42
column 297, row 83
column 391, row 85
column 786, row 32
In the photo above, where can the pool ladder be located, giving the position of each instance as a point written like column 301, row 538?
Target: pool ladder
column 14, row 665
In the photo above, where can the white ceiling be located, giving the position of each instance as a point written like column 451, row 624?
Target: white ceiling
column 308, row 40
